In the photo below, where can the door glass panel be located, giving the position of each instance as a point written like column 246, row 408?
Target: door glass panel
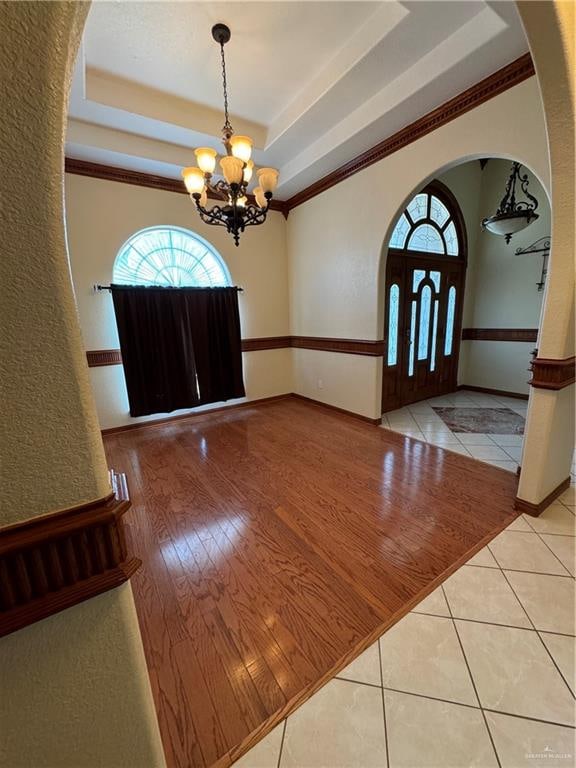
column 423, row 331
column 435, row 277
column 400, row 232
column 412, row 340
column 451, row 239
column 434, row 332
column 419, row 275
column 426, row 238
column 418, row 207
column 438, row 212
column 450, row 321
column 393, row 301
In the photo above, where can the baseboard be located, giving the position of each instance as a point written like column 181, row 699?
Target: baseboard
column 343, row 411
column 496, row 392
column 536, row 509
column 236, row 406
column 194, row 415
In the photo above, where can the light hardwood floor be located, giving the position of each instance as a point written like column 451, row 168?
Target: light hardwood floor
column 278, row 542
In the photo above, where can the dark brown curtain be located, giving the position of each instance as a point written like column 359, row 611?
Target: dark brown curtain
column 180, row 347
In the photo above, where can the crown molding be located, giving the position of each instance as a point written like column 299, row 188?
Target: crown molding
column 141, row 179
column 498, row 82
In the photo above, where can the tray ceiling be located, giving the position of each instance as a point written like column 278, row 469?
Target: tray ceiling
column 313, row 83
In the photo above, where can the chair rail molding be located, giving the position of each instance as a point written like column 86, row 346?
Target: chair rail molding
column 552, row 374
column 55, row 561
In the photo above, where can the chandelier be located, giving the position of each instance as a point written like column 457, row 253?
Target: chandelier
column 513, row 215
column 235, row 212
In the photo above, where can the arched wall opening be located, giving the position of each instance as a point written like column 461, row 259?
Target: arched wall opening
column 501, row 309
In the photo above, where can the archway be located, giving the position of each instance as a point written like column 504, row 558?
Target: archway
column 483, row 395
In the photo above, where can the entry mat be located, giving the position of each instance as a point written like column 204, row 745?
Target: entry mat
column 488, row 421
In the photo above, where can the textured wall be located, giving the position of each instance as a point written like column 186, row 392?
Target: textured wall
column 549, row 446
column 102, row 215
column 50, row 422
column 75, row 691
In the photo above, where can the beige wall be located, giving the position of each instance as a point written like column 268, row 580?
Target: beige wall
column 501, row 289
column 335, row 244
column 75, row 691
column 102, row 215
column 549, row 443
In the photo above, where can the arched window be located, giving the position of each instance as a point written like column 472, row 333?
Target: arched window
column 426, row 226
column 170, row 257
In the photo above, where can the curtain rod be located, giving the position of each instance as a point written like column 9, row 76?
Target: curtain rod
column 98, row 287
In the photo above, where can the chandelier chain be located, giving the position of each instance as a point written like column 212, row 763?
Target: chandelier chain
column 227, row 128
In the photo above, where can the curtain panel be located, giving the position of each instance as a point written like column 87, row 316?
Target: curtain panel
column 181, row 347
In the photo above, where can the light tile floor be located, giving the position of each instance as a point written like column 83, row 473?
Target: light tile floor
column 480, row 673
column 422, row 422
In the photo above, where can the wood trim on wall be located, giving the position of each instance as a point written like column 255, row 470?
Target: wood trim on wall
column 347, row 346
column 500, row 334
column 335, row 409
column 101, row 357
column 496, row 392
column 266, row 342
column 507, row 77
column 142, row 179
column 368, row 347
column 552, row 374
column 55, row 561
column 536, row 509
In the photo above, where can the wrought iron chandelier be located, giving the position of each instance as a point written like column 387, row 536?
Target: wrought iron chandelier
column 513, row 215
column 237, row 212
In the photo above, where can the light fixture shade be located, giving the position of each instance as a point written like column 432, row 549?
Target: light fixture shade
column 248, row 171
column 268, row 178
column 193, row 179
column 507, row 225
column 259, row 196
column 241, row 147
column 232, row 168
column 206, row 159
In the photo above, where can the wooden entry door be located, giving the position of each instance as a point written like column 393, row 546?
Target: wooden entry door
column 424, row 297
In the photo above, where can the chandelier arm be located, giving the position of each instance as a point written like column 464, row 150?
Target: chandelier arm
column 524, row 185
column 219, row 188
column 254, row 215
column 213, row 216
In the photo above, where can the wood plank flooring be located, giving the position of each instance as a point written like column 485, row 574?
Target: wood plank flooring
column 277, row 543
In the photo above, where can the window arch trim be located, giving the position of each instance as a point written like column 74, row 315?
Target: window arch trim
column 437, row 189
column 191, row 262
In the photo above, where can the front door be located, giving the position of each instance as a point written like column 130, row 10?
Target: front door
column 424, row 297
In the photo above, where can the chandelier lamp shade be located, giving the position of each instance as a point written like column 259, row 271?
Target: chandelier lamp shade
column 236, row 169
column 513, row 215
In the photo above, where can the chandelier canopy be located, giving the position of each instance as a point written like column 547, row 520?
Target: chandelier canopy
column 512, row 214
column 235, row 212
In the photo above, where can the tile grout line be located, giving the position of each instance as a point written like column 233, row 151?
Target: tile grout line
column 282, row 742
column 538, row 635
column 554, row 553
column 383, row 704
column 491, row 623
column 471, row 676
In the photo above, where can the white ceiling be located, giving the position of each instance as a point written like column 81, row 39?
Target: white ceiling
column 314, row 83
